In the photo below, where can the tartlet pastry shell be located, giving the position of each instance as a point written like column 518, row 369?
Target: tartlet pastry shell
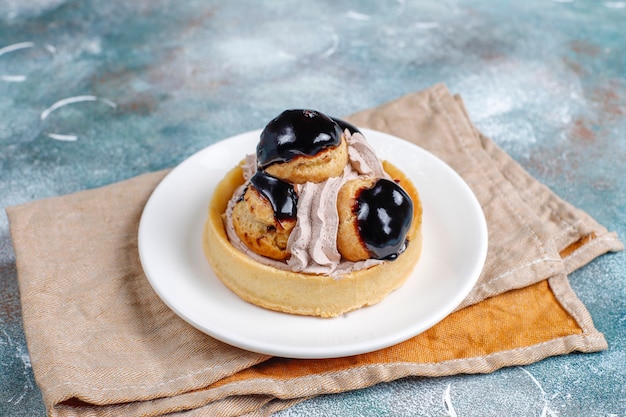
column 301, row 293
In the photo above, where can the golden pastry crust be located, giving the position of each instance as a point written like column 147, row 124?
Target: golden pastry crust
column 317, row 168
column 300, row 293
column 349, row 243
column 256, row 225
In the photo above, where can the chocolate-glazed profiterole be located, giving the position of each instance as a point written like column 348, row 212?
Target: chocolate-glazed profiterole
column 384, row 214
column 302, row 145
column 265, row 214
column 375, row 216
column 313, row 223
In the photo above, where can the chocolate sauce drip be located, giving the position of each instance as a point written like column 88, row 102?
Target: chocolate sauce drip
column 280, row 194
column 345, row 125
column 295, row 133
column 384, row 214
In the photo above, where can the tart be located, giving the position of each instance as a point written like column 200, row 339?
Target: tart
column 303, row 293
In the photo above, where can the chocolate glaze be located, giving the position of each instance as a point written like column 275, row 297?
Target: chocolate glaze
column 384, row 215
column 280, row 194
column 345, row 125
column 296, row 133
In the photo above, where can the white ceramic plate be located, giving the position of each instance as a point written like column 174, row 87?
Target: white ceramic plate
column 170, row 248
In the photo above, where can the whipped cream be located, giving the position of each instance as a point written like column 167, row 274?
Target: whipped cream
column 313, row 241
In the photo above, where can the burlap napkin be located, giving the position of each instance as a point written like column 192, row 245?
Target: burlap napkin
column 103, row 344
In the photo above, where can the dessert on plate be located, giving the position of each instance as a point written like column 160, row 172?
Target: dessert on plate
column 313, row 223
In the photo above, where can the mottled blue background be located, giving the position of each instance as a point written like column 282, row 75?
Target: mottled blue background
column 546, row 80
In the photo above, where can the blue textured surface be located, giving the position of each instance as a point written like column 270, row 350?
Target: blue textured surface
column 546, row 80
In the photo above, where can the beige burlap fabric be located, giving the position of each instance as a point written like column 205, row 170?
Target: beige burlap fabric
column 103, row 344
